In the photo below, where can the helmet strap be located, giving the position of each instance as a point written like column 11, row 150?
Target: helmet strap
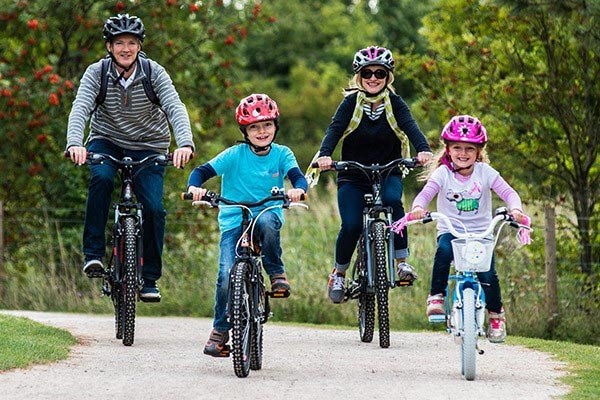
column 125, row 70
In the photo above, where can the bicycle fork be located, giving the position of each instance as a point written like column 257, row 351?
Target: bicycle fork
column 455, row 320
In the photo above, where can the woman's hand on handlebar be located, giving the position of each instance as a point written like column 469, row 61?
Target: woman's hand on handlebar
column 197, row 192
column 424, row 157
column 78, row 154
column 324, row 163
column 295, row 194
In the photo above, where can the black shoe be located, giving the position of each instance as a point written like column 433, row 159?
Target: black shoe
column 93, row 268
column 150, row 293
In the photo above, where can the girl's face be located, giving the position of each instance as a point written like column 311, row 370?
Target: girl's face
column 261, row 133
column 373, row 78
column 463, row 155
column 125, row 49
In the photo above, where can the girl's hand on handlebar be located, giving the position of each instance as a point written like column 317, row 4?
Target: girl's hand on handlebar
column 417, row 213
column 295, row 194
column 78, row 154
column 324, row 163
column 197, row 192
column 519, row 216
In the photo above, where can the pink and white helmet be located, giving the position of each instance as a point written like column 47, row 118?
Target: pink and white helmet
column 256, row 107
column 373, row 55
column 465, row 128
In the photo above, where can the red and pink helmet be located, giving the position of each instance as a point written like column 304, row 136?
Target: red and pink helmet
column 256, row 108
column 373, row 55
column 465, row 128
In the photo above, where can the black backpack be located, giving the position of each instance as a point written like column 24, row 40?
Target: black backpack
column 150, row 93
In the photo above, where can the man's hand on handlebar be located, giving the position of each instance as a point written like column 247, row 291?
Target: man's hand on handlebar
column 182, row 156
column 324, row 163
column 78, row 154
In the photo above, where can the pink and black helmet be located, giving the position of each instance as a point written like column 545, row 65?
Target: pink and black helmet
column 373, row 55
column 256, row 108
column 465, row 128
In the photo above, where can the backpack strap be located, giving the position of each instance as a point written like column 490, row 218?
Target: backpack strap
column 146, row 82
column 103, row 83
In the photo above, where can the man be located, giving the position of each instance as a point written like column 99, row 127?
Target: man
column 127, row 122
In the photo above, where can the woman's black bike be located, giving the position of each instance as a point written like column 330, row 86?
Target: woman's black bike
column 373, row 272
column 123, row 277
column 248, row 307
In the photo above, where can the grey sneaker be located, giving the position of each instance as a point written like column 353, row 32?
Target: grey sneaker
column 406, row 273
column 150, row 292
column 496, row 332
column 335, row 288
column 93, row 268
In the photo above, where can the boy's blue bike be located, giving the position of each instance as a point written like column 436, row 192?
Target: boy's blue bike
column 465, row 315
column 248, row 306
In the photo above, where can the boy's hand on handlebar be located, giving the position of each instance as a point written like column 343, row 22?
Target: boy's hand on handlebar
column 295, row 194
column 182, row 156
column 197, row 192
column 324, row 163
column 78, row 154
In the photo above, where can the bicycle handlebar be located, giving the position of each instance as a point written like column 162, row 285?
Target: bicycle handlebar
column 99, row 158
column 346, row 165
column 213, row 200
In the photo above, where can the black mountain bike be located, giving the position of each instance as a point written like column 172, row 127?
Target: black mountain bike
column 248, row 307
column 373, row 272
column 123, row 276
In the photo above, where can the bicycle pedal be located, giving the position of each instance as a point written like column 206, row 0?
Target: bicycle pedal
column 404, row 283
column 150, row 299
column 437, row 318
column 279, row 294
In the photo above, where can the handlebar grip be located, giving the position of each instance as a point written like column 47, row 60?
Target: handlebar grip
column 186, row 196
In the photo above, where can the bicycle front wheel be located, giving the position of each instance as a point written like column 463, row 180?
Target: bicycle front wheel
column 469, row 335
column 381, row 281
column 256, row 340
column 240, row 316
column 130, row 282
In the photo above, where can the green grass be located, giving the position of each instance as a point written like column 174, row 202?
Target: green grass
column 583, row 364
column 24, row 342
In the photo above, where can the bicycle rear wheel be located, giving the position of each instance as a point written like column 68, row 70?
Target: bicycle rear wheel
column 240, row 316
column 129, row 287
column 366, row 300
column 469, row 335
column 381, row 281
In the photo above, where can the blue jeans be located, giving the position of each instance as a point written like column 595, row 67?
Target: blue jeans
column 351, row 203
column 441, row 269
column 148, row 186
column 267, row 231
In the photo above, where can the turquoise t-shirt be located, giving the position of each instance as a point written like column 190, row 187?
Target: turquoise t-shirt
column 249, row 177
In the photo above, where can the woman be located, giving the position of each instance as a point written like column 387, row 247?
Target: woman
column 377, row 127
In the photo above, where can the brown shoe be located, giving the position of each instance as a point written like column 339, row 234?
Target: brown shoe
column 217, row 346
column 280, row 287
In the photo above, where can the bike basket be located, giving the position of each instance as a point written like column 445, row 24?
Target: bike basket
column 473, row 254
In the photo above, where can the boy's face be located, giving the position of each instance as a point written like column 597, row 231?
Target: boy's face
column 261, row 133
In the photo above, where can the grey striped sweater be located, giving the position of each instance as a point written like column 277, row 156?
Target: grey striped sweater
column 127, row 118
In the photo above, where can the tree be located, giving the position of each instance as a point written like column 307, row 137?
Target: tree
column 530, row 71
column 45, row 47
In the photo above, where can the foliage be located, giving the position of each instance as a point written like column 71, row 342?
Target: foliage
column 531, row 74
column 46, row 47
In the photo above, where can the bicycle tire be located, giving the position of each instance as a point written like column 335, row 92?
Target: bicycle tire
column 117, row 299
column 381, row 282
column 469, row 336
column 115, row 289
column 256, row 340
column 366, row 299
column 130, row 281
column 240, row 316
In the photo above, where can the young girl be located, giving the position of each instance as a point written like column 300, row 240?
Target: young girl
column 249, row 170
column 462, row 173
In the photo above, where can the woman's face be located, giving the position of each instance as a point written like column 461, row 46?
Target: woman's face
column 125, row 49
column 374, row 78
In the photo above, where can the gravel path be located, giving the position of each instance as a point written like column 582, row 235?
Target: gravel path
column 166, row 362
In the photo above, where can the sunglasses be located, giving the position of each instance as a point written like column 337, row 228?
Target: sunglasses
column 379, row 73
